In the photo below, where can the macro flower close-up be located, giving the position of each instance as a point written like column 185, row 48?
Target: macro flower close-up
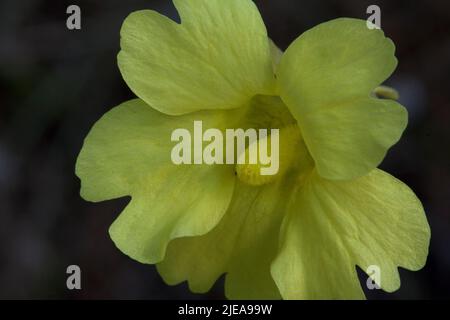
column 298, row 234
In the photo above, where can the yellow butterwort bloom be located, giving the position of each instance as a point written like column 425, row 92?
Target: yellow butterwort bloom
column 297, row 235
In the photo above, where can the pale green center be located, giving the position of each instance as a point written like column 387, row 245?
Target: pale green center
column 271, row 113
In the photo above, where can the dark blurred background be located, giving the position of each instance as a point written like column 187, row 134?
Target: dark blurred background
column 55, row 83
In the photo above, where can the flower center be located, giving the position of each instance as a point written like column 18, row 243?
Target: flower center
column 292, row 153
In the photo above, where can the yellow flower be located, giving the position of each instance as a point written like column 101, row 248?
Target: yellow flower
column 296, row 235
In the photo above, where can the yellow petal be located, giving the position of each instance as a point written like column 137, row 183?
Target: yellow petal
column 243, row 245
column 326, row 78
column 331, row 227
column 218, row 58
column 128, row 153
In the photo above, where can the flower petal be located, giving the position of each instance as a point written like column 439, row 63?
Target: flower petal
column 128, row 153
column 333, row 226
column 218, row 58
column 243, row 245
column 326, row 78
column 277, row 54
